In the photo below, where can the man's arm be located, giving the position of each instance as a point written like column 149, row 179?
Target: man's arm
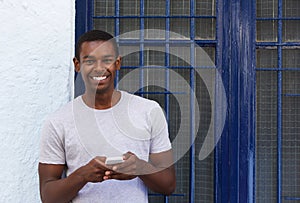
column 54, row 189
column 158, row 174
column 161, row 178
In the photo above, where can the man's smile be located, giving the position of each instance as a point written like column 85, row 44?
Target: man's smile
column 100, row 78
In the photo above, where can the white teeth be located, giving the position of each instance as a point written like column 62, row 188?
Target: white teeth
column 99, row 78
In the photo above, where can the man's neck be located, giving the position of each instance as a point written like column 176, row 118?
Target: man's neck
column 101, row 101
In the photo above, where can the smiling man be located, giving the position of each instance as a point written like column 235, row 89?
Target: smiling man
column 128, row 126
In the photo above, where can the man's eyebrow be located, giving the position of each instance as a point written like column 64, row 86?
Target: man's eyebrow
column 92, row 57
column 88, row 56
column 108, row 56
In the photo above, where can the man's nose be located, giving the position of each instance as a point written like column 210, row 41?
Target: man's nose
column 100, row 65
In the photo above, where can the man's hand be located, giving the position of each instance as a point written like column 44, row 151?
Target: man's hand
column 53, row 188
column 127, row 170
column 133, row 166
column 94, row 171
column 158, row 174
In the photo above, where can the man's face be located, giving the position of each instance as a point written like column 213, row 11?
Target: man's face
column 98, row 65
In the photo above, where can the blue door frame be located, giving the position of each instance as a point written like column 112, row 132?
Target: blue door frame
column 235, row 57
column 236, row 154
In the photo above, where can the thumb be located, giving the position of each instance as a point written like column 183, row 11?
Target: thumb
column 127, row 155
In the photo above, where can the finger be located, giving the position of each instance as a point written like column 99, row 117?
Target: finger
column 97, row 178
column 101, row 165
column 128, row 155
column 100, row 160
column 110, row 175
column 119, row 167
column 110, row 167
column 122, row 177
column 129, row 159
column 128, row 169
column 106, row 177
column 118, row 176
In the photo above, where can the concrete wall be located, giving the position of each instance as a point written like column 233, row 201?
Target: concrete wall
column 36, row 50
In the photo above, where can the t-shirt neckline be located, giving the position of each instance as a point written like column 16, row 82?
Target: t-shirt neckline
column 104, row 110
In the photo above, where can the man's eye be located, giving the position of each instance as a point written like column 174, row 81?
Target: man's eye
column 108, row 61
column 89, row 62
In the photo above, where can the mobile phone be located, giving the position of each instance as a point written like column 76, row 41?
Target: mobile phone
column 114, row 160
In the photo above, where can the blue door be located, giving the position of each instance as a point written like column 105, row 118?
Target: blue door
column 227, row 75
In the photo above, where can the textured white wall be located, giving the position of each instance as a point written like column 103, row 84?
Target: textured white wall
column 36, row 48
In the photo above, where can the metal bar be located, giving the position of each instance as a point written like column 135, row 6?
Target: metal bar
column 277, row 69
column 159, row 92
column 246, row 90
column 167, row 63
column 117, row 18
column 164, row 41
column 224, row 178
column 81, row 18
column 264, row 44
column 279, row 107
column 279, row 18
column 172, row 195
column 279, row 136
column 218, row 63
column 292, row 198
column 170, row 67
column 252, row 193
column 81, row 24
column 117, row 31
column 192, row 105
column 143, row 16
column 168, row 6
column 192, row 131
column 234, row 100
column 291, row 95
column 142, row 62
column 90, row 12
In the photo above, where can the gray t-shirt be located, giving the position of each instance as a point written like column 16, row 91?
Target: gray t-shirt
column 76, row 133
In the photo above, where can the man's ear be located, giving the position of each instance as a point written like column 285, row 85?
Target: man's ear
column 76, row 64
column 118, row 62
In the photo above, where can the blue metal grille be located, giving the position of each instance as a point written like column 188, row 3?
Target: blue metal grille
column 278, row 103
column 225, row 30
column 194, row 21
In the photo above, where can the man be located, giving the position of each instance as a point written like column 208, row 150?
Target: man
column 126, row 125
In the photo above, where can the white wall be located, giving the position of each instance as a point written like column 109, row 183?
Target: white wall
column 36, row 50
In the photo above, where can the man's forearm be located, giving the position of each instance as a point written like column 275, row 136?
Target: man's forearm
column 162, row 181
column 62, row 190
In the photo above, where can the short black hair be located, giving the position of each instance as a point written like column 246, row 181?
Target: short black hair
column 95, row 35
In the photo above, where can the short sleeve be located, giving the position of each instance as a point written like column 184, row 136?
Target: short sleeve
column 160, row 141
column 51, row 144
